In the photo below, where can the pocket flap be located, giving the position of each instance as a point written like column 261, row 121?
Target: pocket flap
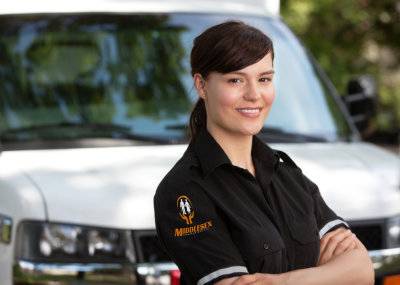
column 259, row 243
column 304, row 231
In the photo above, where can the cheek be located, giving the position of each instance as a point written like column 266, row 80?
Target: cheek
column 269, row 95
column 226, row 98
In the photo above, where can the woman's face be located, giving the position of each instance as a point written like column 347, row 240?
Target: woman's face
column 238, row 102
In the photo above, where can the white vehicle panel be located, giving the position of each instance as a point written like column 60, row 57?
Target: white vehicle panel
column 122, row 181
column 19, row 200
column 253, row 7
column 357, row 180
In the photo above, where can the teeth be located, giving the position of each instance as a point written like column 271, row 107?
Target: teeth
column 249, row 110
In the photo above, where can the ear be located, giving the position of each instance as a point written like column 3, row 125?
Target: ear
column 200, row 84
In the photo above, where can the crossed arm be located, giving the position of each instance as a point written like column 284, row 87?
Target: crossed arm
column 343, row 259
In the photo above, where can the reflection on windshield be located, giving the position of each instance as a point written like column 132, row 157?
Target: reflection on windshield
column 125, row 70
column 134, row 71
column 309, row 109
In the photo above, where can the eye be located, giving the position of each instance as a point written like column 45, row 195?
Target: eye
column 265, row 79
column 234, row 80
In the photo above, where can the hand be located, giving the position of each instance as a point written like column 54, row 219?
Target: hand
column 260, row 278
column 335, row 243
column 254, row 279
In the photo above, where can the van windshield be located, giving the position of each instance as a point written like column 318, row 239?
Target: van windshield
column 128, row 76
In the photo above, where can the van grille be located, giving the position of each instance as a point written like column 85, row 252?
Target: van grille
column 371, row 234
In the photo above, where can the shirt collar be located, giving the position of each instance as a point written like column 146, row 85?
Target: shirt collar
column 211, row 155
column 209, row 152
column 262, row 152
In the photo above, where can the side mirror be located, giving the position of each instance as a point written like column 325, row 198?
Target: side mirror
column 361, row 100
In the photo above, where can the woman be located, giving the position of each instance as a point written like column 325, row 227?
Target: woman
column 234, row 211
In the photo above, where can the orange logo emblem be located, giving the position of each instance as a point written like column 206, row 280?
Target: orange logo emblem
column 185, row 209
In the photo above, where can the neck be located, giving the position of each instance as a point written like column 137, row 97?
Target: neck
column 236, row 147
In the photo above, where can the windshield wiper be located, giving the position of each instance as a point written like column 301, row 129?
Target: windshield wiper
column 178, row 127
column 278, row 135
column 270, row 134
column 120, row 131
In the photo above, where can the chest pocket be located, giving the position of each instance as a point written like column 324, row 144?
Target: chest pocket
column 306, row 241
column 262, row 250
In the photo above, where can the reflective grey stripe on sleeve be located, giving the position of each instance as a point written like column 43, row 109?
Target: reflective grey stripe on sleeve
column 330, row 225
column 222, row 272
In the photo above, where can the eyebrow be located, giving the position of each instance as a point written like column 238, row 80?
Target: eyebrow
column 262, row 73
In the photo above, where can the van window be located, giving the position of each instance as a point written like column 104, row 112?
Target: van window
column 60, row 75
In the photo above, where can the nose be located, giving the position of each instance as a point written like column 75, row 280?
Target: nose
column 252, row 92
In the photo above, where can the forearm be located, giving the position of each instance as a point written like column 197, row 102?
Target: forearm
column 351, row 267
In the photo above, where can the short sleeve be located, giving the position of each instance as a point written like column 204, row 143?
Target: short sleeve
column 327, row 220
column 195, row 235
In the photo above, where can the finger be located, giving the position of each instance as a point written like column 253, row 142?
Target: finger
column 353, row 244
column 327, row 236
column 333, row 242
column 345, row 245
column 245, row 280
column 263, row 279
column 325, row 239
column 263, row 282
column 334, row 237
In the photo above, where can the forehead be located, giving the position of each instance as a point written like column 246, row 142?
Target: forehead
column 265, row 65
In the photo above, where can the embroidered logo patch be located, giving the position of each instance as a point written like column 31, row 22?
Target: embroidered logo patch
column 185, row 209
column 186, row 212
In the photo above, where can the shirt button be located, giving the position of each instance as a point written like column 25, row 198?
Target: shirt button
column 266, row 245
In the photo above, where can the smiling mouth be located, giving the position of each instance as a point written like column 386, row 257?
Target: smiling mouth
column 249, row 110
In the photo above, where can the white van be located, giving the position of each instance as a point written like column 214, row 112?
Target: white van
column 95, row 97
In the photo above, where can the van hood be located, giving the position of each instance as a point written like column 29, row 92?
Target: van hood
column 357, row 180
column 114, row 186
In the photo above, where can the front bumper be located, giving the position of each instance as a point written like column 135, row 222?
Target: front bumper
column 27, row 272
column 386, row 262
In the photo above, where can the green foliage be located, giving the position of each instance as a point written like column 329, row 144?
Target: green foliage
column 351, row 38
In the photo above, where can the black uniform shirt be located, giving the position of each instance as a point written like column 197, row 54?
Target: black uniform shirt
column 216, row 220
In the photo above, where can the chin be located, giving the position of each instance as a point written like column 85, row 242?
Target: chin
column 251, row 132
column 252, row 129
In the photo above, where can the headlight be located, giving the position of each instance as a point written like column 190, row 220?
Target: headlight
column 55, row 242
column 5, row 229
column 393, row 232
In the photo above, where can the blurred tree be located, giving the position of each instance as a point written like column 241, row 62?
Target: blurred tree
column 351, row 38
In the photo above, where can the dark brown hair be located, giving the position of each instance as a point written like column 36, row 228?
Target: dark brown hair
column 224, row 48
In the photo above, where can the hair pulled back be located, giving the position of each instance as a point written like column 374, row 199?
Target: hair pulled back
column 227, row 47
